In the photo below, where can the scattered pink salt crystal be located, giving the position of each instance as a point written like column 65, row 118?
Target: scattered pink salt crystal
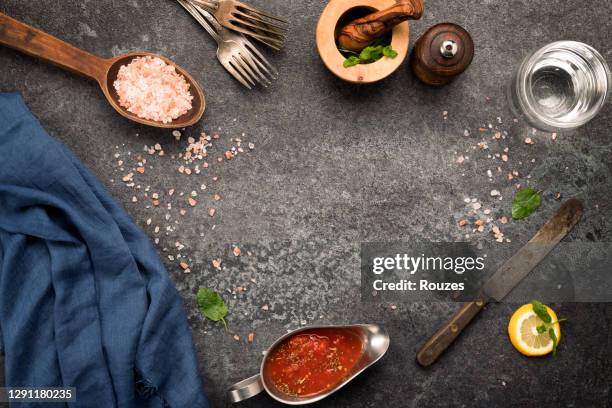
column 152, row 89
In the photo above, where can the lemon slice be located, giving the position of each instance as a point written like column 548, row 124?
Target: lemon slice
column 524, row 335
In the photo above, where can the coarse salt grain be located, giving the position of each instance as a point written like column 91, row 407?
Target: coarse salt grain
column 152, row 89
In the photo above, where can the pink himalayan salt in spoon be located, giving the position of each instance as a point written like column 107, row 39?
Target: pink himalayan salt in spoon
column 152, row 89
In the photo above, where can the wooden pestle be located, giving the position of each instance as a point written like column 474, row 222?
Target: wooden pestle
column 362, row 32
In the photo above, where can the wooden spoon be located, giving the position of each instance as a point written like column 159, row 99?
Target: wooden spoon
column 39, row 44
column 362, row 32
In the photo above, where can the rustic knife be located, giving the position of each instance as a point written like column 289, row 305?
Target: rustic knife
column 505, row 279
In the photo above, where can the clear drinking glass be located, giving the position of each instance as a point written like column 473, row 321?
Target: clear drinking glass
column 561, row 86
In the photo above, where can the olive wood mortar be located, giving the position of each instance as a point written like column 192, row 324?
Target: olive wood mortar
column 39, row 44
column 363, row 31
column 329, row 26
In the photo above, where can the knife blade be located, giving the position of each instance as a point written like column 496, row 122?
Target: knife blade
column 505, row 278
column 532, row 253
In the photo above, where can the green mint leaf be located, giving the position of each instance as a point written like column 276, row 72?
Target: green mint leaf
column 389, row 52
column 541, row 329
column 540, row 310
column 366, row 54
column 371, row 54
column 378, row 52
column 553, row 337
column 525, row 202
column 351, row 61
column 211, row 305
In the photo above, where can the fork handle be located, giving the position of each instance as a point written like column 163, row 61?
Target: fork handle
column 198, row 13
column 211, row 5
column 362, row 32
column 212, row 20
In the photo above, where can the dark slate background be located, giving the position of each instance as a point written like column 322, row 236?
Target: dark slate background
column 336, row 165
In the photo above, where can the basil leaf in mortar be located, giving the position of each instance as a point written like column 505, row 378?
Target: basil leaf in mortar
column 371, row 54
column 389, row 52
column 368, row 55
column 351, row 61
column 525, row 202
column 211, row 305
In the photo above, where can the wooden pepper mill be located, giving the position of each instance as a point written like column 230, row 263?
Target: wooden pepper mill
column 362, row 32
column 442, row 53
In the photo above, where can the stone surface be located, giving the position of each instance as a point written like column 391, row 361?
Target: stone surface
column 335, row 165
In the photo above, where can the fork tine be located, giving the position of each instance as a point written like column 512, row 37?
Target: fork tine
column 252, row 64
column 239, row 58
column 277, row 45
column 262, row 20
column 269, row 76
column 228, row 66
column 237, row 65
column 260, row 12
column 264, row 40
column 273, row 42
column 257, row 25
column 246, row 66
column 261, row 60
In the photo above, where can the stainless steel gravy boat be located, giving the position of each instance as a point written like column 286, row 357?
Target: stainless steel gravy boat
column 375, row 344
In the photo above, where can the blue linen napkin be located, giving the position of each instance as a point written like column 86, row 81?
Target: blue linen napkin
column 84, row 300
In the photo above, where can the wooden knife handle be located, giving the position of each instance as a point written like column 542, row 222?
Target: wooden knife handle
column 445, row 336
column 39, row 44
column 360, row 33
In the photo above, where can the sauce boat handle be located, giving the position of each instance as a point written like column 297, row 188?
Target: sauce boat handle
column 245, row 389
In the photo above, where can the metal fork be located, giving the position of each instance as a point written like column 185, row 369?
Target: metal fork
column 237, row 54
column 248, row 20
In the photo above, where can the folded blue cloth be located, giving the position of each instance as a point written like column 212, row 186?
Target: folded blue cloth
column 84, row 300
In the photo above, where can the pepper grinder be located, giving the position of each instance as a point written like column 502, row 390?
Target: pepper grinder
column 443, row 52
